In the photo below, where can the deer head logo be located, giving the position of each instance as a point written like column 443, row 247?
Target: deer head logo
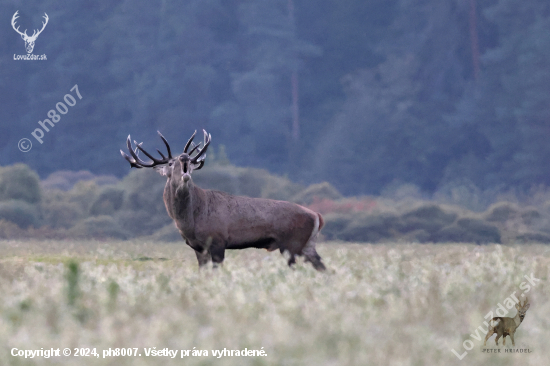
column 29, row 41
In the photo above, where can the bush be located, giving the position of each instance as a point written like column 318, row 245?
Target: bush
column 246, row 181
column 99, row 227
column 10, row 230
column 335, row 223
column 469, row 230
column 463, row 193
column 143, row 190
column 65, row 179
column 109, row 200
column 83, row 194
column 19, row 212
column 530, row 215
column 220, row 178
column 429, row 218
column 19, row 182
column 480, row 228
column 318, row 191
column 346, row 205
column 168, row 233
column 531, row 237
column 252, row 181
column 372, row 228
column 501, row 212
column 61, row 214
column 141, row 222
column 418, row 236
column 280, row 188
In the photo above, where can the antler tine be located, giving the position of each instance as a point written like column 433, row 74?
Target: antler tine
column 155, row 160
column 194, row 148
column 132, row 162
column 525, row 301
column 161, row 154
column 189, row 142
column 167, row 146
column 136, row 159
column 207, row 139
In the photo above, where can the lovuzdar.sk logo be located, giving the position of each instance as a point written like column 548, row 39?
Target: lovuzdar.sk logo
column 29, row 40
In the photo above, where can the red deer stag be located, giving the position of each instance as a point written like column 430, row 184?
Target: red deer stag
column 212, row 221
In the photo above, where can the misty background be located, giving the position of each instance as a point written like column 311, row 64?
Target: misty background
column 366, row 95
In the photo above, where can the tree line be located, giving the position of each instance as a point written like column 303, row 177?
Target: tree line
column 362, row 94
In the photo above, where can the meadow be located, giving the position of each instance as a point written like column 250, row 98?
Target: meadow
column 382, row 304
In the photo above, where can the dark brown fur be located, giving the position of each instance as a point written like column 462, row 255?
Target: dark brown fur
column 212, row 221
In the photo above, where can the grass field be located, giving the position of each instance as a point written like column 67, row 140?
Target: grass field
column 394, row 304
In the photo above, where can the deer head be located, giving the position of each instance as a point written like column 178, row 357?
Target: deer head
column 29, row 41
column 177, row 169
column 522, row 309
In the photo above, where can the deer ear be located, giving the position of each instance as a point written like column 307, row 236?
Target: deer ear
column 163, row 170
column 527, row 306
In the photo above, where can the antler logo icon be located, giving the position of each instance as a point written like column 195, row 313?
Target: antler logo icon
column 29, row 41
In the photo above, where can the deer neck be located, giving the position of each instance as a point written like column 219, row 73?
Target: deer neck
column 183, row 203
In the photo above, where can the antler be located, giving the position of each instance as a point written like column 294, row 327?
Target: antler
column 524, row 302
column 189, row 142
column 136, row 162
column 43, row 26
column 15, row 16
column 201, row 152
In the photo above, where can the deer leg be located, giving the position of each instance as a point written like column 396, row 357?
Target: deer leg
column 291, row 260
column 218, row 254
column 316, row 261
column 489, row 334
column 496, row 340
column 203, row 257
column 504, row 340
column 512, row 338
column 312, row 256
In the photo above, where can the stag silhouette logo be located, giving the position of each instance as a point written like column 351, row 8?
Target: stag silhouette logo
column 29, row 40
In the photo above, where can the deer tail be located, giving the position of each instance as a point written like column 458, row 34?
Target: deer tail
column 321, row 221
column 494, row 322
column 317, row 226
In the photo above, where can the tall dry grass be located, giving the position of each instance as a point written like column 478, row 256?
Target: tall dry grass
column 400, row 304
